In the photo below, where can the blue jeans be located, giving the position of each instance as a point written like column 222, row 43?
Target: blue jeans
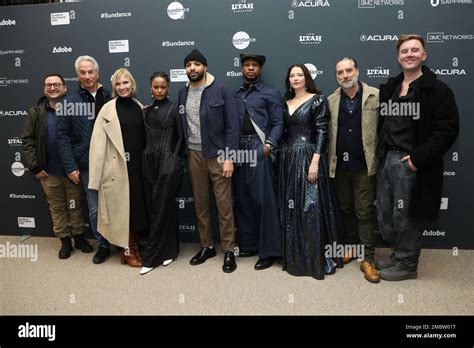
column 92, row 200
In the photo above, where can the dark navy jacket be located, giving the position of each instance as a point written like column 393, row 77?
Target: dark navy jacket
column 264, row 104
column 217, row 115
column 73, row 132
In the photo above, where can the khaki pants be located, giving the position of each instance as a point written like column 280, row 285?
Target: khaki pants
column 65, row 204
column 200, row 171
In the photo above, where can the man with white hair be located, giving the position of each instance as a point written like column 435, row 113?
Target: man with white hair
column 74, row 129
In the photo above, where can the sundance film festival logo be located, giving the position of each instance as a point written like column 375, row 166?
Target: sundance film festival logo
column 241, row 40
column 118, row 46
column 373, row 3
column 176, row 10
column 60, row 18
column 115, row 15
column 313, row 70
column 18, row 169
column 310, row 3
column 310, row 39
column 441, row 37
column 435, row 3
column 63, row 49
column 242, row 6
column 178, row 75
column 378, row 72
column 6, row 22
column 16, row 141
column 378, row 37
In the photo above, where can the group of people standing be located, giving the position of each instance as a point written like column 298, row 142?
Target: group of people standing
column 130, row 158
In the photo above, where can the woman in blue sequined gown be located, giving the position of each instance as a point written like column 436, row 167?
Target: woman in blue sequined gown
column 304, row 196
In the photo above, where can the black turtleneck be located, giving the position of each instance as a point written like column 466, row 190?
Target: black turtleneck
column 156, row 113
column 131, row 123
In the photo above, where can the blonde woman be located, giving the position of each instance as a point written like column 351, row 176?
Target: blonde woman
column 115, row 168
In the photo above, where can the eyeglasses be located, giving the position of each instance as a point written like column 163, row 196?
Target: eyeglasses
column 55, row 85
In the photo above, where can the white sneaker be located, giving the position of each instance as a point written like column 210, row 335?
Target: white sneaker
column 145, row 270
column 167, row 262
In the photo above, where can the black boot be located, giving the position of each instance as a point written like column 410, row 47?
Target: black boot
column 66, row 248
column 80, row 242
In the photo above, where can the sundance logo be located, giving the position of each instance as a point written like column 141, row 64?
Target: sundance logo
column 176, row 10
column 7, row 22
column 435, row 3
column 242, row 40
column 13, row 113
column 242, row 6
column 378, row 72
column 310, row 39
column 18, row 169
column 310, row 3
column 62, row 49
column 378, row 37
column 313, row 70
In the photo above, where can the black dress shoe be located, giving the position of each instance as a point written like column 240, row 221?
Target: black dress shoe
column 229, row 265
column 264, row 263
column 243, row 253
column 101, row 255
column 203, row 255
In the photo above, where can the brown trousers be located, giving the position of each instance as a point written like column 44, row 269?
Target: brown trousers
column 65, row 204
column 200, row 171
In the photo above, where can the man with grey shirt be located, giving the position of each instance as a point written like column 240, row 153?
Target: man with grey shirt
column 211, row 126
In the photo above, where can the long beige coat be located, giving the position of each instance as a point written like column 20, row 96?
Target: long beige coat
column 370, row 104
column 108, row 174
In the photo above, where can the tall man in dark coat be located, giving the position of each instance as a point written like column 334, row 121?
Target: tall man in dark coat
column 260, row 109
column 418, row 124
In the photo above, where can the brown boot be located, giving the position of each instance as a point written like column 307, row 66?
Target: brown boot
column 370, row 272
column 130, row 255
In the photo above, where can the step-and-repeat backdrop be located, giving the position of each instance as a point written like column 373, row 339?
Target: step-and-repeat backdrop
column 150, row 35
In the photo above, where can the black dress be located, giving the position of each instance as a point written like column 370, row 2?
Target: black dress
column 163, row 165
column 133, row 135
column 306, row 210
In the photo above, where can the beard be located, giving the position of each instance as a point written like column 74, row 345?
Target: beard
column 349, row 84
column 198, row 77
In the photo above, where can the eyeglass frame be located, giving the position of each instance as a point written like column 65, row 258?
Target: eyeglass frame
column 55, row 85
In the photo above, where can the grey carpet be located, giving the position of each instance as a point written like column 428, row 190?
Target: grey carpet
column 445, row 286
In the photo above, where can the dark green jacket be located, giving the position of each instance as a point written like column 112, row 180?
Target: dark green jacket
column 32, row 138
